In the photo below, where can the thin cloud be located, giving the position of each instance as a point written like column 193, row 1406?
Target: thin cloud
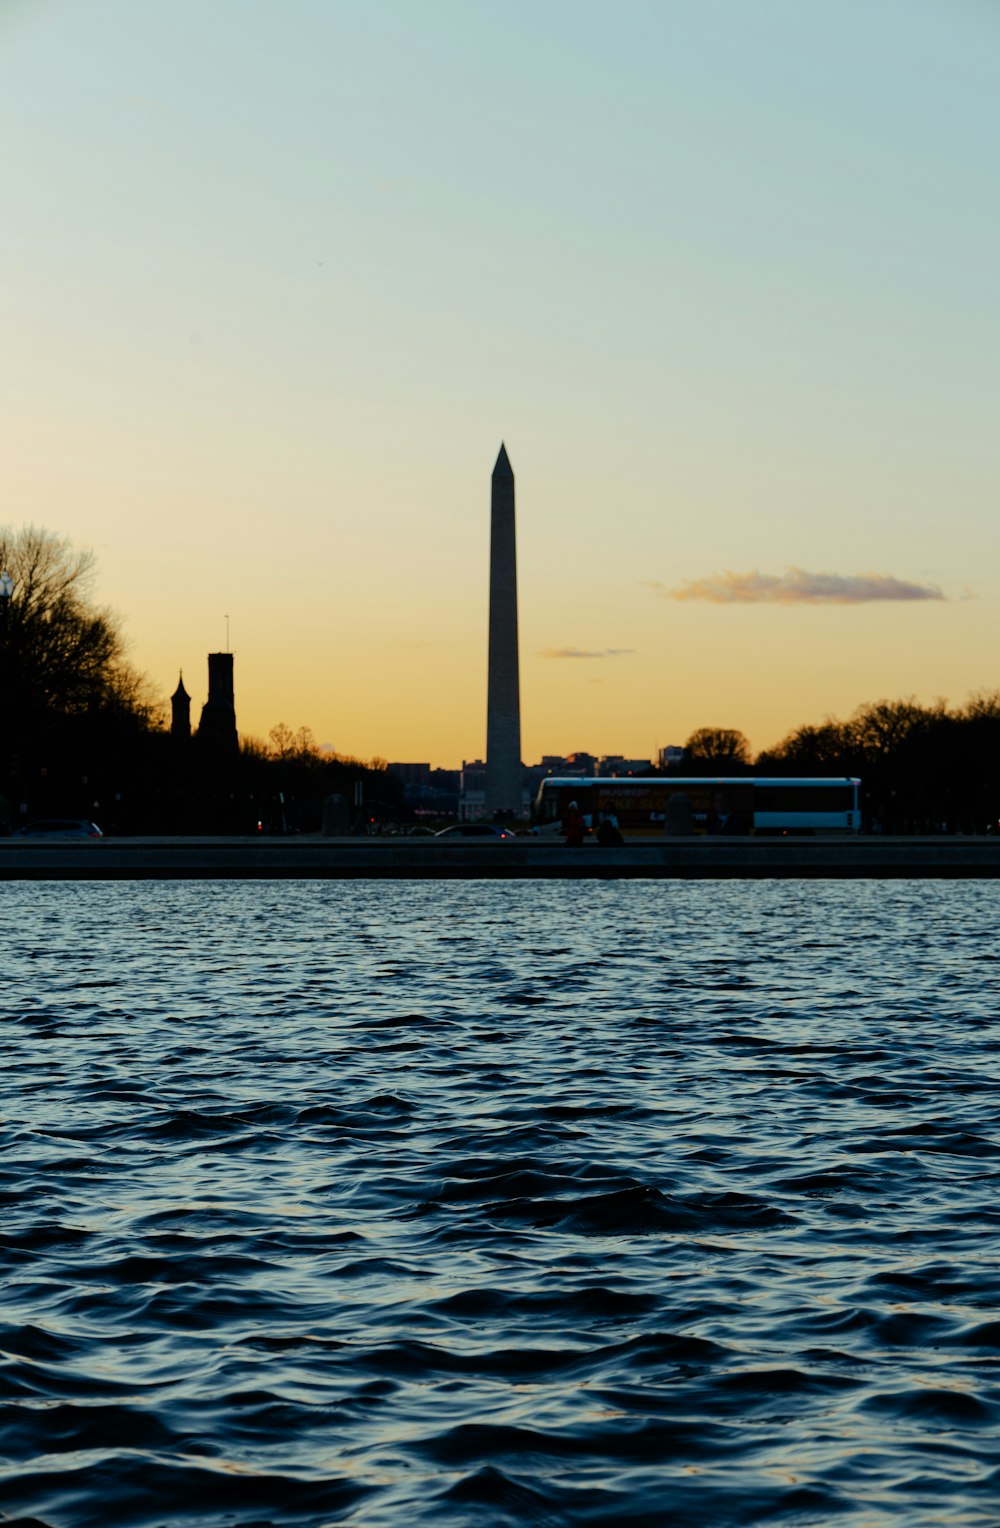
column 586, row 652
column 797, row 587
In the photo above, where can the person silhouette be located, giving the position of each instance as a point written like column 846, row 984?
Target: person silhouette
column 573, row 826
column 608, row 832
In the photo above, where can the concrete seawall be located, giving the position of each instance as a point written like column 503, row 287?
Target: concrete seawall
column 422, row 858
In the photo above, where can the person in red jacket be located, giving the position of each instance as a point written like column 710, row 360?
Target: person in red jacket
column 573, row 826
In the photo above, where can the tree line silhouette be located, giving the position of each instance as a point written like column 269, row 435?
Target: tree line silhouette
column 923, row 769
column 81, row 734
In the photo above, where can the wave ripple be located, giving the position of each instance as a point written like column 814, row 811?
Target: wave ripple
column 486, row 1204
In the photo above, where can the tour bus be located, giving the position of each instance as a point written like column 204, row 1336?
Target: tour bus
column 738, row 804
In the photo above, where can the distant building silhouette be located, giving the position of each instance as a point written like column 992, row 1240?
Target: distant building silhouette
column 472, row 787
column 427, row 791
column 180, row 706
column 217, row 728
column 617, row 764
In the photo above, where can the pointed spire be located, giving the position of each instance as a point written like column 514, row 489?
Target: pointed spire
column 180, row 713
column 503, row 467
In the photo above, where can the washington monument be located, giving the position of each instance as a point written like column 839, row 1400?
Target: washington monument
column 503, row 700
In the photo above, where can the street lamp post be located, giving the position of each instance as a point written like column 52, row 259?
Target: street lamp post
column 6, row 591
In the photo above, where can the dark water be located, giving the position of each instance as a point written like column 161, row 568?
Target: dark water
column 473, row 1203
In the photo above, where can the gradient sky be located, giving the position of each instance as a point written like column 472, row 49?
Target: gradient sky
column 277, row 279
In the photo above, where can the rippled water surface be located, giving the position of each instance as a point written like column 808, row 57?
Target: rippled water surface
column 518, row 1203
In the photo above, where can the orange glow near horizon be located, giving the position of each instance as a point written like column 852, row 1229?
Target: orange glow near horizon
column 266, row 343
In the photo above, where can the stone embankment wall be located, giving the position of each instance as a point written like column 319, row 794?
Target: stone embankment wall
column 352, row 858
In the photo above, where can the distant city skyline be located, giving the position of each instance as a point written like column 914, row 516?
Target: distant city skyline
column 276, row 282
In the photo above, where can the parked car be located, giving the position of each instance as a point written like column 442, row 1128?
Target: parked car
column 476, row 830
column 59, row 827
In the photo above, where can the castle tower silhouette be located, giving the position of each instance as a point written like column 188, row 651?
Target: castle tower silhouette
column 217, row 728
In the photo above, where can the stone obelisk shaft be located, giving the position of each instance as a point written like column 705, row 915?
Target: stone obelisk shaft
column 503, row 703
